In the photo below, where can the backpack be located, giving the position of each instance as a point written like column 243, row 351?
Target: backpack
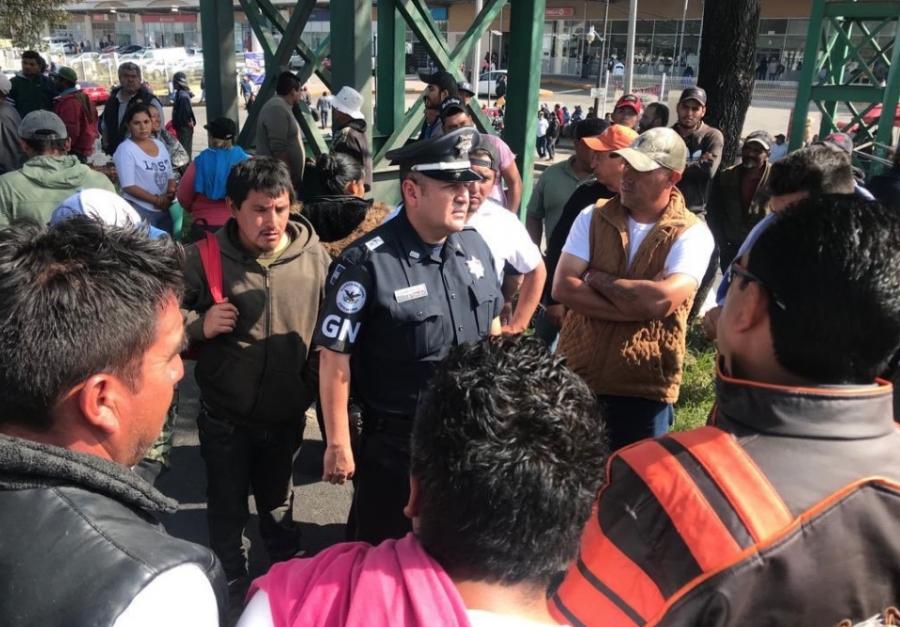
column 211, row 260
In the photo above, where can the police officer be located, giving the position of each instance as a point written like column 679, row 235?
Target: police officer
column 398, row 299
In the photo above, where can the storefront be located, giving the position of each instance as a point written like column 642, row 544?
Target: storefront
column 173, row 30
column 114, row 27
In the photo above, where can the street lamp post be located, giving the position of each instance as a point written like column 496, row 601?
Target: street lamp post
column 590, row 38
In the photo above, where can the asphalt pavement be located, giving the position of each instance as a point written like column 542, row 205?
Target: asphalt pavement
column 320, row 507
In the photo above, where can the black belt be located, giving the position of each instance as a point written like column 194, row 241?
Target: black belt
column 387, row 424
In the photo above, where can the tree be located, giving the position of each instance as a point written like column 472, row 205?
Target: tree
column 728, row 66
column 24, row 22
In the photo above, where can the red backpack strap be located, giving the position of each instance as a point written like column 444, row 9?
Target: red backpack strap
column 211, row 258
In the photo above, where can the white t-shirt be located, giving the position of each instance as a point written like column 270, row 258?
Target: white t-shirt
column 542, row 127
column 258, row 613
column 689, row 254
column 506, row 237
column 179, row 597
column 136, row 167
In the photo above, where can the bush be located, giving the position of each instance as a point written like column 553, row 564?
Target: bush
column 698, row 384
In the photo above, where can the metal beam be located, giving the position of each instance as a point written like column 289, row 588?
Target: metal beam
column 891, row 95
column 390, row 72
column 277, row 20
column 437, row 47
column 865, row 11
column 351, row 60
column 527, row 28
column 217, row 34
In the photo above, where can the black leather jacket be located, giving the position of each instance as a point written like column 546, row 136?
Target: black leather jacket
column 78, row 538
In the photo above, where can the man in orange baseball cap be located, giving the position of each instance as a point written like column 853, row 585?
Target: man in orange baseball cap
column 608, row 170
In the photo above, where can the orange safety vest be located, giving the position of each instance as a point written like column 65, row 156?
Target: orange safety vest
column 605, row 587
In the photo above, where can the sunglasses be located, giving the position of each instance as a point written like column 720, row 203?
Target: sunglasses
column 749, row 276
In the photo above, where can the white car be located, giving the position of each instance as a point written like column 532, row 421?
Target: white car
column 487, row 82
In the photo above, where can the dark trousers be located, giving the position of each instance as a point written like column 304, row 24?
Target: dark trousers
column 186, row 138
column 381, row 489
column 630, row 419
column 239, row 458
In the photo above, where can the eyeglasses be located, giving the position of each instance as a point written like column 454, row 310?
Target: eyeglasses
column 749, row 276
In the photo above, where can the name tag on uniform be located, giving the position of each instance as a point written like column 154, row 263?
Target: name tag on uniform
column 411, row 293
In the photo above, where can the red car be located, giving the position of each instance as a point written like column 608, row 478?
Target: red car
column 96, row 92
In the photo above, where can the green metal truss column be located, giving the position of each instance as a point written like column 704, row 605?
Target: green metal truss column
column 417, row 16
column 217, row 31
column 843, row 34
column 351, row 59
column 390, row 69
column 527, row 30
column 262, row 17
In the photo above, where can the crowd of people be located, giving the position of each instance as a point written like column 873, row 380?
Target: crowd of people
column 499, row 477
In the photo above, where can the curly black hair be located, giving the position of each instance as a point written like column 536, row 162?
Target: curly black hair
column 508, row 450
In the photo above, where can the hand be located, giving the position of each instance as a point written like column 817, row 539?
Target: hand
column 338, row 465
column 162, row 201
column 220, row 318
column 509, row 329
column 556, row 314
column 711, row 322
column 505, row 313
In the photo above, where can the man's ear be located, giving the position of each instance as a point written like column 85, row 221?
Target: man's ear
column 410, row 190
column 100, row 400
column 411, row 510
column 674, row 177
column 230, row 205
column 754, row 306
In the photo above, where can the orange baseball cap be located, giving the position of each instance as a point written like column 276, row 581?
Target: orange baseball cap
column 615, row 137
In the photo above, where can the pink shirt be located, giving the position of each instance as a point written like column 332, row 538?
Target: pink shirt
column 506, row 159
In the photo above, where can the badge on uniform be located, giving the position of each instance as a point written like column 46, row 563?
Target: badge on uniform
column 411, row 293
column 351, row 297
column 374, row 243
column 475, row 267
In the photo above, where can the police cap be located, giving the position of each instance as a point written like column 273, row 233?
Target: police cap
column 445, row 158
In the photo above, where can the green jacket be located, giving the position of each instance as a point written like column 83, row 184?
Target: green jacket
column 729, row 222
column 264, row 370
column 42, row 184
column 31, row 93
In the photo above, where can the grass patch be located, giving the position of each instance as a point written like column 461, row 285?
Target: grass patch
column 698, row 384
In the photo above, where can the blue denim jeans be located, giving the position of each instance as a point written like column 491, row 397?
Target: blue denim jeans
column 630, row 419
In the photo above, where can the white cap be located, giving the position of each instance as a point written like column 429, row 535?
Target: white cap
column 102, row 205
column 5, row 84
column 349, row 101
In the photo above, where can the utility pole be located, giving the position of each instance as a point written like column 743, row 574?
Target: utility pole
column 629, row 49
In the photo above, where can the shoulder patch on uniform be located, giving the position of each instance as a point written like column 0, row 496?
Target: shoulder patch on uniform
column 351, row 297
column 374, row 243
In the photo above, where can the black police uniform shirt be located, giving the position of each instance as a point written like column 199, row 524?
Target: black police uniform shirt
column 398, row 304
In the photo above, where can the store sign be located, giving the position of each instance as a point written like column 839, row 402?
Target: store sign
column 100, row 17
column 174, row 18
column 557, row 13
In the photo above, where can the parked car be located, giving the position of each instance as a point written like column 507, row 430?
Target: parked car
column 487, row 82
column 129, row 48
column 97, row 93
